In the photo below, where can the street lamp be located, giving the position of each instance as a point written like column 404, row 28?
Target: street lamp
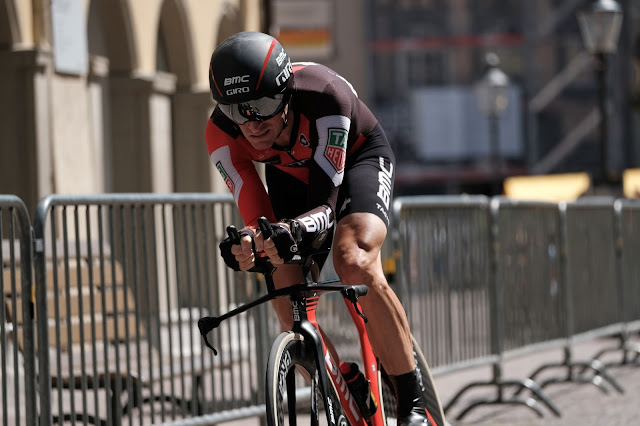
column 600, row 28
column 492, row 95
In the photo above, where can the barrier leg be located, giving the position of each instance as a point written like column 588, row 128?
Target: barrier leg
column 500, row 385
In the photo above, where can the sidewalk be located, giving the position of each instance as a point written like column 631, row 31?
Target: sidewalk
column 580, row 403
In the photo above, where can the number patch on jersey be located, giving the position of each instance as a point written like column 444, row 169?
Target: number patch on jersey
column 336, row 150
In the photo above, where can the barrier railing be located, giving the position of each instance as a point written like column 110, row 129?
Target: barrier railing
column 544, row 270
column 121, row 280
column 628, row 219
column 444, row 277
column 17, row 351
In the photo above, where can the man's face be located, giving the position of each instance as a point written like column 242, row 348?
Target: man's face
column 262, row 134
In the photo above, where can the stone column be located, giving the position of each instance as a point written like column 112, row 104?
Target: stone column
column 100, row 123
column 192, row 166
column 141, row 133
column 25, row 122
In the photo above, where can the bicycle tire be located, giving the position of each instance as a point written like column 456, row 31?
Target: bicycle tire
column 287, row 352
column 429, row 392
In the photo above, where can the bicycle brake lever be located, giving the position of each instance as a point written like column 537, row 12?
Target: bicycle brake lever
column 265, row 227
column 355, row 305
column 351, row 295
column 234, row 235
column 206, row 324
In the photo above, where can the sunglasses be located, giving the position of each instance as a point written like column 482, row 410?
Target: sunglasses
column 256, row 110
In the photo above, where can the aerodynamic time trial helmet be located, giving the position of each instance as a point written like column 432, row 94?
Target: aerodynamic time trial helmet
column 249, row 76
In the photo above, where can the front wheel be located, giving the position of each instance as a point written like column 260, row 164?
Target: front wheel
column 429, row 392
column 292, row 385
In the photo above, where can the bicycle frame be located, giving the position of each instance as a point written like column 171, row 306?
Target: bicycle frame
column 304, row 302
column 304, row 307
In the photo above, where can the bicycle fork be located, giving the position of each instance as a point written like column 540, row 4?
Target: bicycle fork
column 330, row 375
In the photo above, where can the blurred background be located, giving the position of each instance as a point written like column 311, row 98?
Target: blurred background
column 112, row 95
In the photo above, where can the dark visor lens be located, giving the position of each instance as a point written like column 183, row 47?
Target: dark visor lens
column 256, row 110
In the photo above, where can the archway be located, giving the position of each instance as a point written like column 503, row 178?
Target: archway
column 175, row 42
column 110, row 34
column 9, row 30
column 175, row 55
column 231, row 21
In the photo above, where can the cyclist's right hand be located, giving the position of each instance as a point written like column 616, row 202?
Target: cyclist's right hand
column 239, row 256
column 281, row 245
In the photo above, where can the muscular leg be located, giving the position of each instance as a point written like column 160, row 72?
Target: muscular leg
column 356, row 257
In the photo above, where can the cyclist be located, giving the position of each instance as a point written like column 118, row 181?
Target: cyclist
column 329, row 167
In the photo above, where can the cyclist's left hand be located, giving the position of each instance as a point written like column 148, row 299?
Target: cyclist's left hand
column 239, row 256
column 244, row 252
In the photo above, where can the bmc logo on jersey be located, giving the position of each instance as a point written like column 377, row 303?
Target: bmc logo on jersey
column 317, row 222
column 225, row 176
column 336, row 150
column 384, row 180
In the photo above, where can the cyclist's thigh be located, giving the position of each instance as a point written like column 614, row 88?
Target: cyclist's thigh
column 367, row 186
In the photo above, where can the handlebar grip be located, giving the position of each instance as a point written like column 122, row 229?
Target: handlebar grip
column 360, row 290
column 234, row 235
column 265, row 227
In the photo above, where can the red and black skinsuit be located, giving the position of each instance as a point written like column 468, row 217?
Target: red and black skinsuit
column 337, row 158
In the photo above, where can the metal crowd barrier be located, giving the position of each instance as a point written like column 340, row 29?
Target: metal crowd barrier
column 543, row 276
column 629, row 242
column 121, row 280
column 444, row 277
column 17, row 352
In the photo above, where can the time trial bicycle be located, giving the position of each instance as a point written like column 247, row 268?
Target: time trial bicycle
column 323, row 385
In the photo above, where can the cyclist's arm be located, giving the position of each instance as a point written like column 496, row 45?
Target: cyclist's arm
column 241, row 177
column 238, row 171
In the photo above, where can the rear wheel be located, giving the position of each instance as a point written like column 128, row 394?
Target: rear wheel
column 429, row 392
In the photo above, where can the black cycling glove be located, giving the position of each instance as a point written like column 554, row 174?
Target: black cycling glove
column 284, row 240
column 225, row 249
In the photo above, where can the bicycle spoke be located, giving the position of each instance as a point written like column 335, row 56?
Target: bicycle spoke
column 291, row 396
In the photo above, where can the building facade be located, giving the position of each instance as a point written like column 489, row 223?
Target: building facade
column 112, row 95
column 427, row 56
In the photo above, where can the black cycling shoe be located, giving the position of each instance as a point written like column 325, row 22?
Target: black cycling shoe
column 411, row 409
